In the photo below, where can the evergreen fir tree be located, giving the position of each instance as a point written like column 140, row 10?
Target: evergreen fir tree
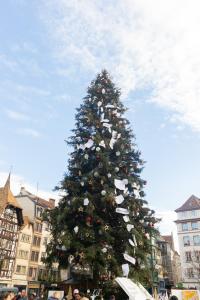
column 102, row 225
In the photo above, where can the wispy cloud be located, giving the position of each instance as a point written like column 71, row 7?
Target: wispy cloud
column 144, row 44
column 15, row 115
column 29, row 132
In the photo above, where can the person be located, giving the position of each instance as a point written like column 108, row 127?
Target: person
column 173, row 298
column 84, row 298
column 23, row 295
column 76, row 295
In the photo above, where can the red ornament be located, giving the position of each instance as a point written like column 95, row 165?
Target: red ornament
column 89, row 219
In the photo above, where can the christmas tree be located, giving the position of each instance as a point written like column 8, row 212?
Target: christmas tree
column 102, row 226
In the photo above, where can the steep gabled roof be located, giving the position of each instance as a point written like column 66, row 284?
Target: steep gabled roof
column 42, row 202
column 191, row 204
column 7, row 198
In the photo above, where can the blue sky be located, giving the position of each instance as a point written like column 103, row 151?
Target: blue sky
column 49, row 53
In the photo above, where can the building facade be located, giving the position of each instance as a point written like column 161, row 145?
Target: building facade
column 23, row 240
column 188, row 228
column 11, row 220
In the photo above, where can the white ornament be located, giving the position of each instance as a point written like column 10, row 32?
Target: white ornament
column 99, row 103
column 102, row 144
column 104, row 250
column 125, row 269
column 129, row 227
column 103, row 91
column 122, row 211
column 98, row 149
column 119, row 184
column 89, row 143
column 129, row 258
column 86, row 201
column 103, row 193
column 82, row 183
column 86, row 156
column 76, row 229
column 116, row 169
column 96, row 174
column 119, row 199
column 126, row 219
column 118, row 153
column 109, row 175
column 131, row 243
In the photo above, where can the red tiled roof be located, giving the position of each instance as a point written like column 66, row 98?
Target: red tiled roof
column 191, row 204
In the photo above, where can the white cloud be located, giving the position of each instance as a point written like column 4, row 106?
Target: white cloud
column 167, row 225
column 29, row 132
column 15, row 115
column 151, row 43
column 17, row 181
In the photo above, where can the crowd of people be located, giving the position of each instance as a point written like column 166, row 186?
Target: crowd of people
column 19, row 296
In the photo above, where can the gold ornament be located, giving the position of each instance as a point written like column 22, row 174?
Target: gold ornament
column 80, row 209
column 82, row 255
column 87, row 234
column 109, row 256
column 140, row 243
column 106, row 227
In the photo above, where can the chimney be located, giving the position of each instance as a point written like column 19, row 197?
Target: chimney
column 52, row 202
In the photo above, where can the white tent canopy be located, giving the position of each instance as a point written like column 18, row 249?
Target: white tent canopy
column 133, row 290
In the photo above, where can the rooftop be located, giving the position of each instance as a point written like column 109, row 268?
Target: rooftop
column 42, row 202
column 191, row 204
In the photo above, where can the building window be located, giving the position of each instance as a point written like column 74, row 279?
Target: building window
column 188, row 256
column 32, row 273
column 186, row 240
column 38, row 227
column 45, row 240
column 23, row 254
column 195, row 225
column 34, row 256
column 25, row 238
column 196, row 239
column 43, row 255
column 39, row 212
column 47, row 227
column 5, row 264
column 190, row 273
column 36, row 241
column 193, row 213
column 197, row 256
column 184, row 214
column 185, row 226
column 21, row 269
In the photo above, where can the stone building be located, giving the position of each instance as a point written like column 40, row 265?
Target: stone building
column 11, row 220
column 188, row 227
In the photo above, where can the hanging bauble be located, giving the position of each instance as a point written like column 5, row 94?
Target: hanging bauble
column 103, row 193
column 98, row 149
column 89, row 99
column 87, row 234
column 76, row 229
column 104, row 250
column 116, row 169
column 118, row 153
column 86, row 201
column 88, row 220
column 99, row 103
column 86, row 156
column 102, row 182
column 109, row 256
column 80, row 209
column 96, row 174
column 109, row 175
column 103, row 91
column 79, row 173
column 82, row 183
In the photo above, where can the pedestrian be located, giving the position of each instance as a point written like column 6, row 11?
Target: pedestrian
column 23, row 295
column 76, row 295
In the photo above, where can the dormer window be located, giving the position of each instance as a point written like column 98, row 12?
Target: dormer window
column 39, row 211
